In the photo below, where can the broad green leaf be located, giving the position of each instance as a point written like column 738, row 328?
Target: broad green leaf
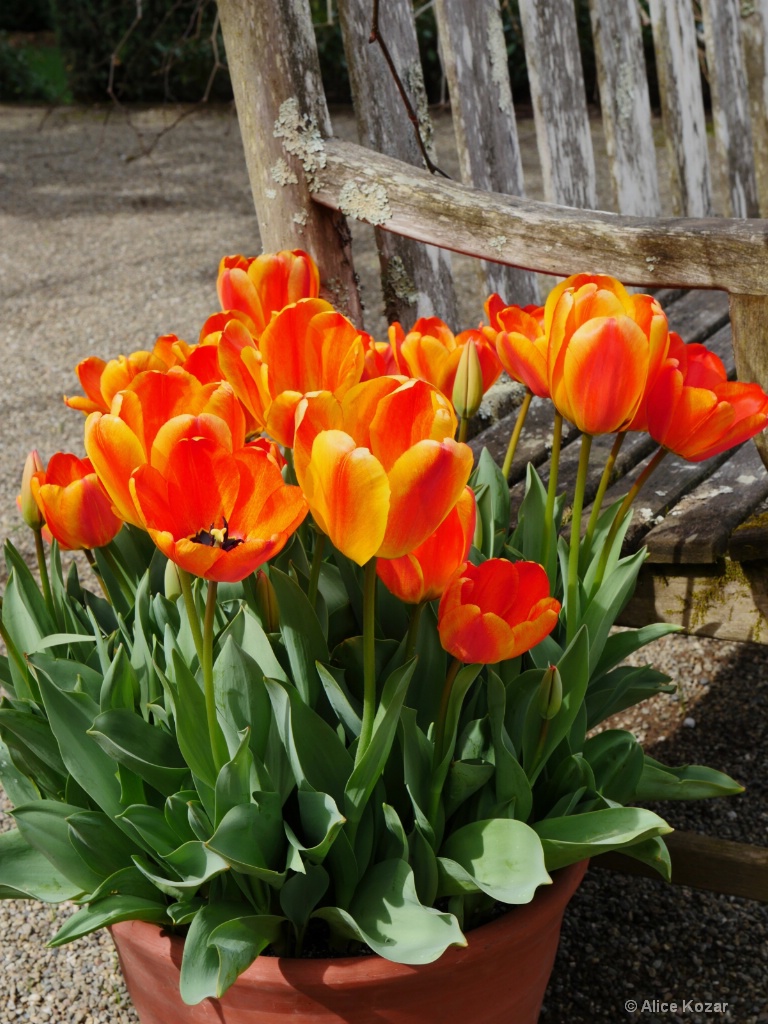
column 19, row 788
column 110, row 910
column 34, row 732
column 147, row 750
column 176, row 812
column 237, row 780
column 25, row 873
column 250, row 839
column 43, row 824
column 511, row 784
column 301, row 894
column 153, row 829
column 654, row 853
column 69, row 675
column 241, row 697
column 386, row 914
column 347, row 709
column 193, row 863
column 302, row 635
column 622, row 644
column 239, row 942
column 464, row 779
column 200, row 964
column 503, row 857
column 690, row 782
column 102, row 845
column 604, row 607
column 573, row 838
column 616, row 759
column 120, row 688
column 192, row 723
column 461, row 684
column 249, row 634
column 417, row 759
column 622, row 688
column 126, row 882
column 320, row 824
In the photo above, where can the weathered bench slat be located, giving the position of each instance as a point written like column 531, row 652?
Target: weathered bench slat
column 626, row 107
column 724, row 253
column 749, row 541
column 559, row 102
column 474, row 58
column 754, row 25
column 698, row 316
column 282, row 157
column 699, row 527
column 682, row 105
column 416, row 281
column 730, row 104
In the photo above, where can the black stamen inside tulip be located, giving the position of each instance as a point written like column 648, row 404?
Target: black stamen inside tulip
column 215, row 537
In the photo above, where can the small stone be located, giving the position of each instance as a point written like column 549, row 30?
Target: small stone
column 689, row 723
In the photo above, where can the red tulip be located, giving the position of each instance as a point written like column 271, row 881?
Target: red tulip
column 423, row 574
column 262, row 285
column 693, row 410
column 379, row 467
column 605, row 346
column 496, row 611
column 76, row 508
column 217, row 513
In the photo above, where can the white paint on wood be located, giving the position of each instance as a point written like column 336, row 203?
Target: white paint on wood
column 626, row 107
column 559, row 102
column 754, row 24
column 730, row 104
column 682, row 105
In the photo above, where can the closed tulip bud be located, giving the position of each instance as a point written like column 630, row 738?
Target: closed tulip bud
column 172, row 585
column 266, row 599
column 550, row 693
column 28, row 507
column 468, row 384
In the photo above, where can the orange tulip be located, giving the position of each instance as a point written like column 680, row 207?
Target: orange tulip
column 694, row 411
column 605, row 346
column 217, row 513
column 306, row 347
column 262, row 285
column 494, row 305
column 521, row 346
column 147, row 418
column 496, row 611
column 76, row 508
column 430, row 351
column 379, row 467
column 423, row 574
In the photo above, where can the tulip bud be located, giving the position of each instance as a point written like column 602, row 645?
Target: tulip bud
column 266, row 599
column 29, row 508
column 172, row 584
column 550, row 693
column 468, row 383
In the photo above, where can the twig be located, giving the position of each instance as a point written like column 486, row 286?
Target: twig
column 375, row 37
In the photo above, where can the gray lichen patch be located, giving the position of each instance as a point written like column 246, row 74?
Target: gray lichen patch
column 300, row 218
column 398, row 285
column 497, row 54
column 301, row 138
column 282, row 173
column 498, row 243
column 368, row 201
column 416, row 89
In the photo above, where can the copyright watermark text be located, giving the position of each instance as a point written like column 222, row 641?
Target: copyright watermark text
column 674, row 1006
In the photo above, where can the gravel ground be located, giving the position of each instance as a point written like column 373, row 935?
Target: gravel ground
column 110, row 234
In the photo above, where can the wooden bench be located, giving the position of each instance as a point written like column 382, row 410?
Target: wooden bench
column 706, row 525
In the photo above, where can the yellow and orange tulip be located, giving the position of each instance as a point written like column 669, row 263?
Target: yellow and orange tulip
column 217, row 513
column 262, row 285
column 496, row 611
column 77, row 510
column 379, row 467
column 423, row 574
column 521, row 346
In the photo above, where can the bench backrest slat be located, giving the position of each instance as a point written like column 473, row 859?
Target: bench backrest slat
column 626, row 106
column 416, row 281
column 754, row 25
column 730, row 104
column 682, row 106
column 474, row 59
column 559, row 102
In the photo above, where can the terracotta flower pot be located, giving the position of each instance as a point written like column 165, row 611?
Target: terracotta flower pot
column 501, row 976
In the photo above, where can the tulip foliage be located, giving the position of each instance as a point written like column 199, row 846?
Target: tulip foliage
column 317, row 689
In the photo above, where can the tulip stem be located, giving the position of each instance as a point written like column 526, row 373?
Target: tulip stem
column 438, row 755
column 573, row 556
column 554, row 466
column 413, row 630
column 515, row 436
column 369, row 658
column 43, row 567
column 605, row 479
column 317, row 561
column 218, row 743
column 463, row 428
column 189, row 603
column 622, row 513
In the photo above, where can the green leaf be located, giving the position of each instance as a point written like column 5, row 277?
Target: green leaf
column 147, row 750
column 347, row 709
column 34, row 732
column 691, row 782
column 606, row 604
column 241, row 697
column 250, row 839
column 302, row 634
column 192, row 723
column 575, row 837
column 193, row 863
column 512, row 788
column 503, row 857
column 616, row 759
column 237, row 780
column 493, row 503
column 69, row 675
column 621, row 645
column 153, row 829
column 386, row 914
column 43, row 824
column 25, row 873
column 120, row 688
column 368, row 771
column 239, row 942
column 248, row 632
column 301, row 894
column 321, row 821
column 622, row 688
column 201, row 964
column 654, row 853
column 464, row 779
column 461, row 684
column 103, row 913
column 19, row 788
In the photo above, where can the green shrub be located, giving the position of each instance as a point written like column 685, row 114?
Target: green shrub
column 18, row 81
